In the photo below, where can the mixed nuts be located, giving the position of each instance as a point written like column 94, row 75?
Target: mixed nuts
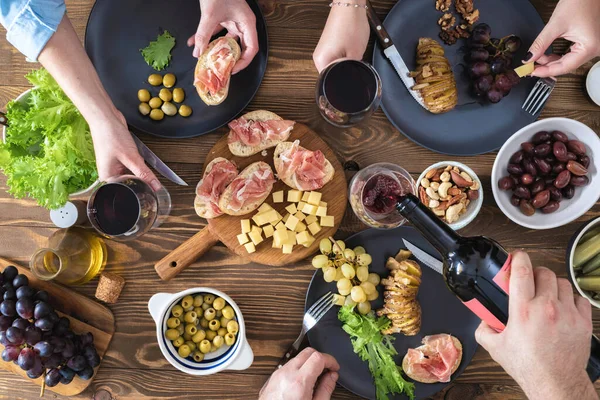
column 447, row 191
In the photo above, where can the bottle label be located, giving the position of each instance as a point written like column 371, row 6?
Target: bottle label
column 501, row 279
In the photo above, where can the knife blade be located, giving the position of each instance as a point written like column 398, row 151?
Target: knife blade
column 156, row 163
column 425, row 258
column 392, row 54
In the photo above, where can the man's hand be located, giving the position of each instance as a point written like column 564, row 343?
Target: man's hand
column 233, row 15
column 310, row 375
column 546, row 344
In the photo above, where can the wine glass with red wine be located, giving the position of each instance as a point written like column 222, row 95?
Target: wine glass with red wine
column 348, row 91
column 125, row 207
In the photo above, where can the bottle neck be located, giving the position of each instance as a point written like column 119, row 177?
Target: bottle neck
column 438, row 233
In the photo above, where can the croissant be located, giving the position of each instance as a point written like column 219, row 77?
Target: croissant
column 434, row 77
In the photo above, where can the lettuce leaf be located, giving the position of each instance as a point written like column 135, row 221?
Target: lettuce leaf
column 158, row 53
column 48, row 152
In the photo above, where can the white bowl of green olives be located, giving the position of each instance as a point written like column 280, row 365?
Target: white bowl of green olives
column 201, row 331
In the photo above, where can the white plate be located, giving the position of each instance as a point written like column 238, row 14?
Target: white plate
column 592, row 83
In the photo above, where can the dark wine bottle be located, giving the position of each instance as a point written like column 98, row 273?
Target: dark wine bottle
column 476, row 269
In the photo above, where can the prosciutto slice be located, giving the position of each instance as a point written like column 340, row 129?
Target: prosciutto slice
column 435, row 359
column 219, row 64
column 250, row 188
column 252, row 133
column 306, row 167
column 213, row 184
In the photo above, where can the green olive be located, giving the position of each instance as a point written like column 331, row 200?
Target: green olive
column 144, row 108
column 184, row 351
column 178, row 342
column 229, row 339
column 198, row 356
column 155, row 80
column 198, row 300
column 198, row 310
column 219, row 303
column 166, row 95
column 222, row 331
column 190, row 308
column 177, row 311
column 181, row 329
column 185, row 111
column 214, row 325
column 191, row 345
column 209, row 298
column 157, row 114
column 219, row 314
column 204, row 323
column 190, row 317
column 204, row 346
column 173, row 322
column 213, row 348
column 228, row 312
column 144, row 95
column 218, row 341
column 191, row 329
column 169, row 109
column 172, row 334
column 210, row 314
column 205, row 306
column 178, row 95
column 169, row 80
column 233, row 327
column 199, row 336
column 155, row 103
column 186, row 336
column 210, row 335
column 224, row 321
column 187, row 302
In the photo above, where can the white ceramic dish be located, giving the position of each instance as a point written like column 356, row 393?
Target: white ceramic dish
column 22, row 99
column 238, row 356
column 592, row 83
column 570, row 209
column 571, row 252
column 474, row 206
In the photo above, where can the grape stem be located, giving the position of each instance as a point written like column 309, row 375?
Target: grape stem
column 336, row 245
column 43, row 388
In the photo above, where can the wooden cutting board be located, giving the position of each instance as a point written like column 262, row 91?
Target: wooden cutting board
column 85, row 315
column 226, row 227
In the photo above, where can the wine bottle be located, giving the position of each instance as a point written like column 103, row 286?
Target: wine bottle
column 476, row 269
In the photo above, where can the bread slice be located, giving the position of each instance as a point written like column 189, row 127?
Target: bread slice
column 242, row 150
column 291, row 180
column 213, row 100
column 202, row 207
column 406, row 367
column 249, row 207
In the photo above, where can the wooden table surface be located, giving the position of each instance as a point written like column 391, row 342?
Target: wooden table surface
column 271, row 298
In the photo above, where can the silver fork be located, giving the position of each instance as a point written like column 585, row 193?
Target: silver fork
column 311, row 317
column 538, row 95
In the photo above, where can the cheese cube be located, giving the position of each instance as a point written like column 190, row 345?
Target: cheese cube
column 256, row 229
column 245, row 225
column 303, row 237
column 292, row 209
column 300, row 216
column 280, row 237
column 310, row 209
column 327, row 221
column 265, row 217
column 256, row 237
column 243, row 238
column 314, row 228
column 300, row 227
column 323, row 204
column 250, row 248
column 321, row 211
column 276, row 245
column 314, row 198
column 525, row 69
column 291, row 222
column 284, row 219
column 287, row 248
column 301, row 205
column 291, row 238
column 305, row 197
column 280, row 226
column 309, row 243
column 310, row 219
column 294, row 196
column 278, row 197
column 268, row 230
column 264, row 207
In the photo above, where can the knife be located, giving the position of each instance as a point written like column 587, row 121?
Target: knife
column 156, row 163
column 425, row 258
column 392, row 54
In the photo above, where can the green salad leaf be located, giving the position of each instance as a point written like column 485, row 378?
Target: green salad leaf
column 377, row 349
column 48, row 153
column 158, row 53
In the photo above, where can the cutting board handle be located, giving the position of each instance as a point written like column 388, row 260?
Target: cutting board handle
column 188, row 252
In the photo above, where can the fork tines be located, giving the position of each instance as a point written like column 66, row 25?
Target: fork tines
column 319, row 309
column 538, row 95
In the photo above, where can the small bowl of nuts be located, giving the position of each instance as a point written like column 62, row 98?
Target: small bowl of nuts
column 452, row 191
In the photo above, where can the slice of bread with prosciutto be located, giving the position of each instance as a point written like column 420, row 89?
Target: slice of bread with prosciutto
column 300, row 168
column 256, row 131
column 219, row 173
column 248, row 190
column 213, row 70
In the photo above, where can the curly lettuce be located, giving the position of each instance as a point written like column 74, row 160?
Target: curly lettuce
column 158, row 53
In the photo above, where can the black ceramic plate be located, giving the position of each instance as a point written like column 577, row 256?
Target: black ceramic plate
column 442, row 312
column 117, row 30
column 471, row 128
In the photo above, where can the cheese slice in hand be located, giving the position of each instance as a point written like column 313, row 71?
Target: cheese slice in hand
column 525, row 69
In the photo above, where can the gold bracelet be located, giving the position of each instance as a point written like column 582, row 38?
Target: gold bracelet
column 343, row 4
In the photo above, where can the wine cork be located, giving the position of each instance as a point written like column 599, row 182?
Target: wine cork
column 109, row 287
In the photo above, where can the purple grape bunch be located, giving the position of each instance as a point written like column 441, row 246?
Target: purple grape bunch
column 37, row 339
column 490, row 63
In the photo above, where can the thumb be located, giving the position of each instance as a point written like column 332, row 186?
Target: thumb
column 325, row 386
column 202, row 37
column 486, row 336
column 138, row 167
column 542, row 42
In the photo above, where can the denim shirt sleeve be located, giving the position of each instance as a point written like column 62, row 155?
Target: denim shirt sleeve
column 30, row 24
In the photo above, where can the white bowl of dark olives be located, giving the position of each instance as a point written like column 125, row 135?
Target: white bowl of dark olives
column 546, row 174
column 201, row 331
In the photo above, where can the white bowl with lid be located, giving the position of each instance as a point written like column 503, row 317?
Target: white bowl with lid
column 592, row 83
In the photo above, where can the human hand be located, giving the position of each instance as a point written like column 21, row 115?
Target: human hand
column 310, row 375
column 346, row 35
column 116, row 152
column 576, row 21
column 233, row 15
column 546, row 344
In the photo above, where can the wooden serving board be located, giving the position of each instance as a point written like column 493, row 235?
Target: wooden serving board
column 226, row 227
column 85, row 315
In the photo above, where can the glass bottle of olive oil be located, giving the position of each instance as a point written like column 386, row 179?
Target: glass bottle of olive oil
column 71, row 256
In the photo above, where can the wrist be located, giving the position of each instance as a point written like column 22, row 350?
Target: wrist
column 579, row 387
